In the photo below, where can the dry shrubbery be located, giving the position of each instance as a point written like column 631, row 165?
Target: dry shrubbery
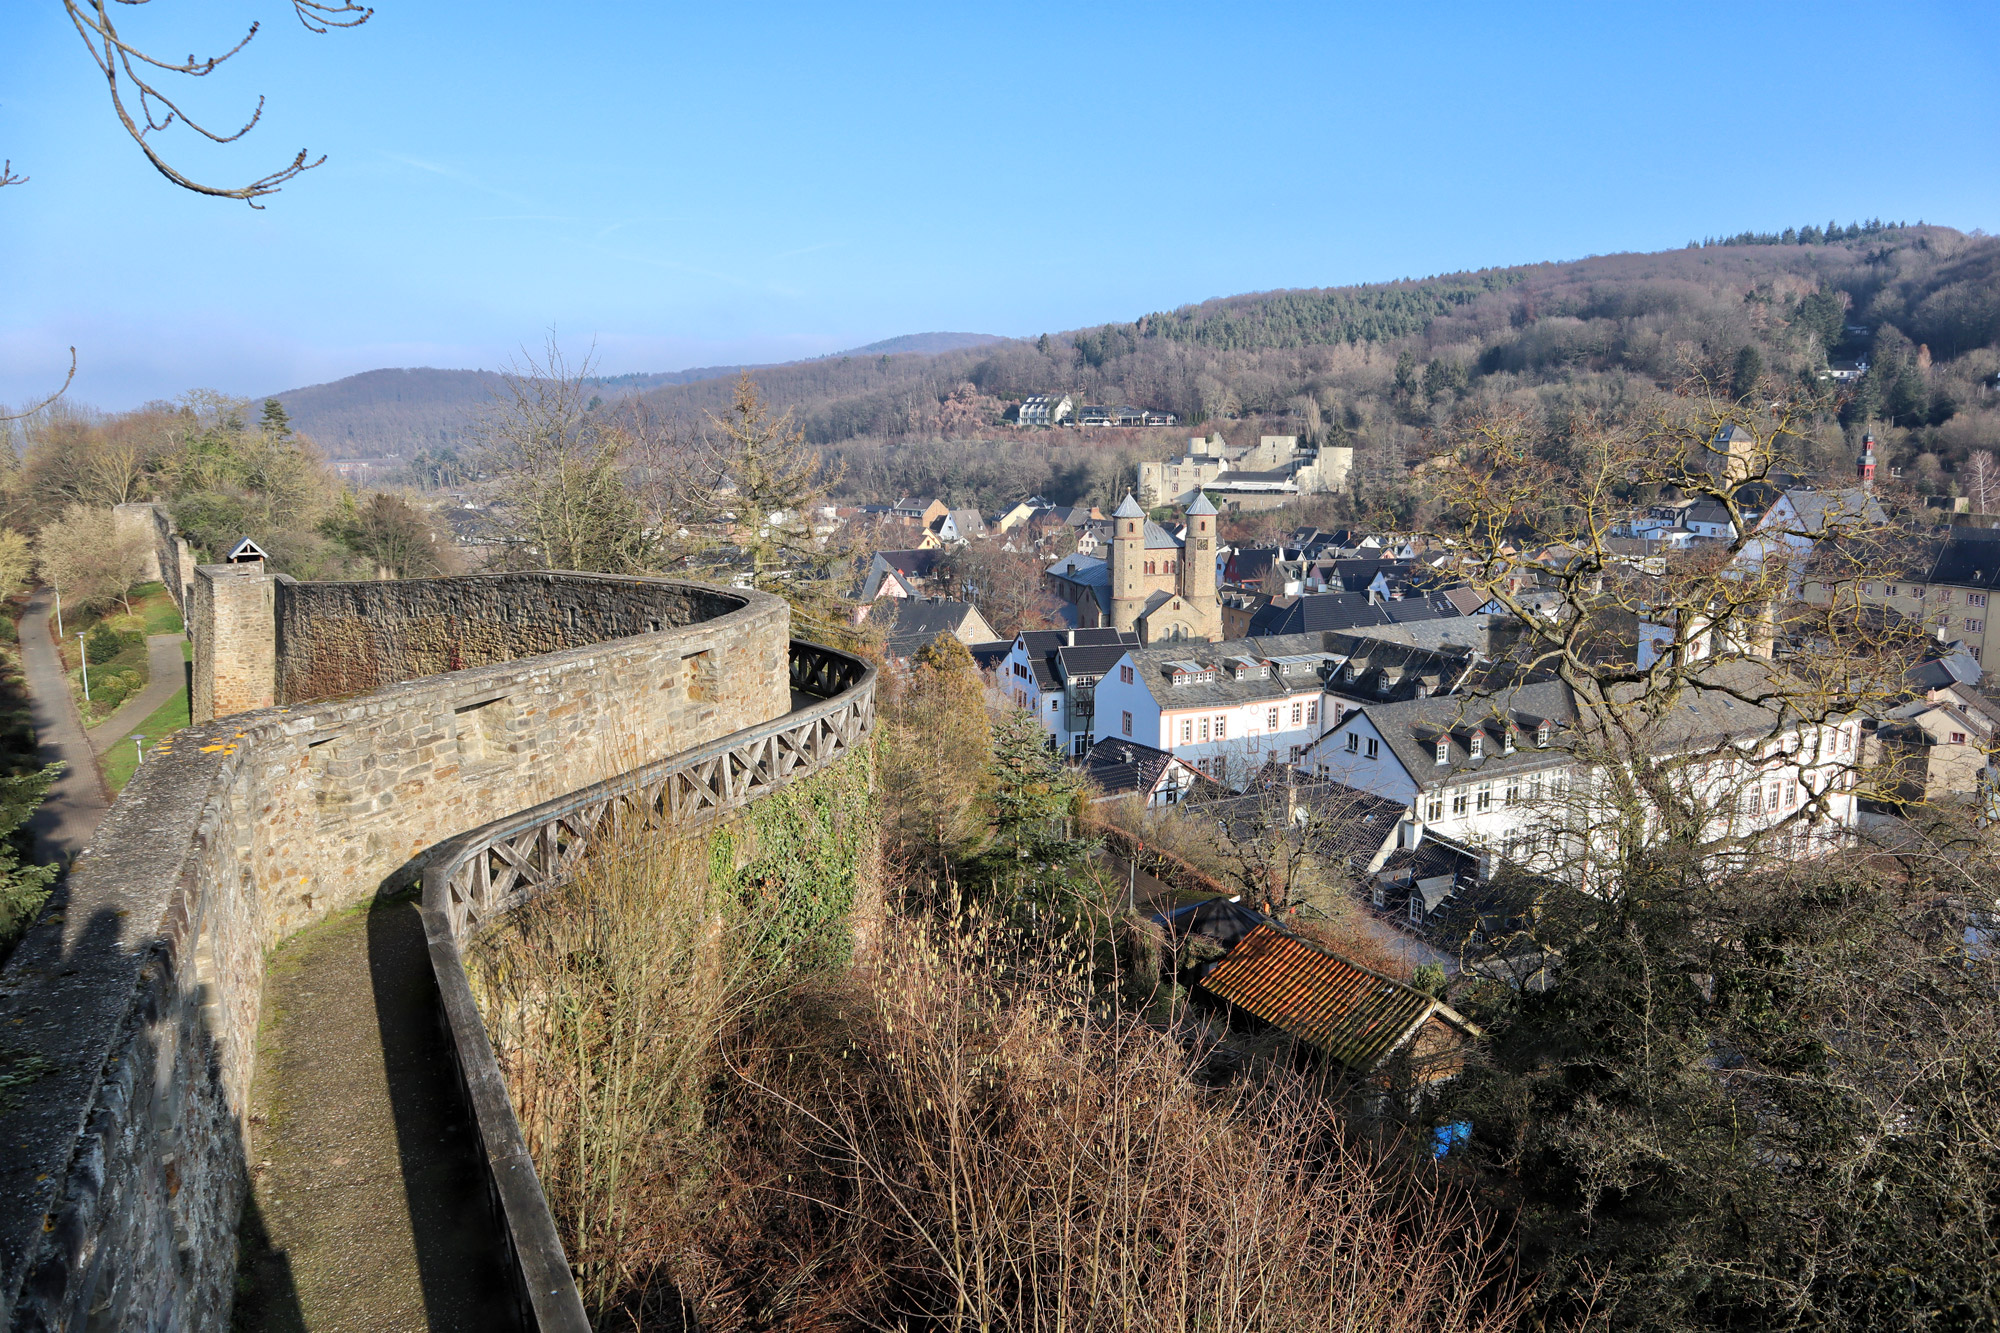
column 966, row 1135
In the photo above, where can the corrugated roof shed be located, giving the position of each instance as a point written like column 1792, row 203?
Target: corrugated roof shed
column 1356, row 1016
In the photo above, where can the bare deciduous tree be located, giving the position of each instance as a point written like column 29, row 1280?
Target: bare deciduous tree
column 90, row 558
column 564, row 497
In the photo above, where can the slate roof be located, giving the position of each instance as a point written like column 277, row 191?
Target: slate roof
column 1200, row 505
column 1430, row 606
column 1045, row 646
column 1346, row 821
column 986, row 656
column 1412, row 729
column 1816, row 509
column 918, row 563
column 1159, row 539
column 1313, row 613
column 1128, row 508
column 1151, row 664
column 1087, row 571
column 1381, row 670
column 1968, row 558
column 1356, row 1016
column 1710, row 710
column 1125, row 768
column 919, row 621
column 1088, row 660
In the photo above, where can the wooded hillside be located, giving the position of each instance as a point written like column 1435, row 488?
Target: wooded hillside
column 1376, row 367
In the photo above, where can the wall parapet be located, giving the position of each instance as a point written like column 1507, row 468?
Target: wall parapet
column 128, row 1015
column 477, row 876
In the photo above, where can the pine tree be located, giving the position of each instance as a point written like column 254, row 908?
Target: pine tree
column 1036, row 855
column 1749, row 370
column 275, row 421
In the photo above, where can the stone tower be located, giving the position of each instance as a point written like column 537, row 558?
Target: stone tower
column 1128, row 556
column 1198, row 571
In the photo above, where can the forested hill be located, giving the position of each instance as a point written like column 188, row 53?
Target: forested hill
column 379, row 413
column 1376, row 366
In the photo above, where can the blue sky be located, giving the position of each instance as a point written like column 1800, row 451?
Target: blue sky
column 702, row 184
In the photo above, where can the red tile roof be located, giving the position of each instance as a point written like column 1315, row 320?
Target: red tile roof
column 1356, row 1016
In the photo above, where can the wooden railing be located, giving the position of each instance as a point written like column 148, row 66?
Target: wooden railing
column 477, row 876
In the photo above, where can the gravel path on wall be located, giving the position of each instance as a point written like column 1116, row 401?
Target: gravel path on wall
column 76, row 804
column 367, row 1207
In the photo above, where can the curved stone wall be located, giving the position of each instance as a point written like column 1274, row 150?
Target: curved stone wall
column 128, row 1018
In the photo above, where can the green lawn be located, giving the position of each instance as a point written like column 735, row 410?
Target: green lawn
column 153, row 612
column 123, row 759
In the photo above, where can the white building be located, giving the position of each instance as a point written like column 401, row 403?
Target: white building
column 1053, row 674
column 1046, row 409
column 1517, row 772
column 1226, row 708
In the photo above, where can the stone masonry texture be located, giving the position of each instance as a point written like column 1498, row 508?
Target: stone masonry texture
column 128, row 1017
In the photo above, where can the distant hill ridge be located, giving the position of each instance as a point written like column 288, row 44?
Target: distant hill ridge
column 396, row 411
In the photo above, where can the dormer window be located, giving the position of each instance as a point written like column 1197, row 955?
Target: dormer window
column 1444, row 750
column 1478, row 747
column 1544, row 733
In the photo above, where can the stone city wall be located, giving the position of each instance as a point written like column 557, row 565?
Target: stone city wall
column 128, row 1019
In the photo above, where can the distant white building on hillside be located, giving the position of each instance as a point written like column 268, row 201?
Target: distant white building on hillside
column 1045, row 409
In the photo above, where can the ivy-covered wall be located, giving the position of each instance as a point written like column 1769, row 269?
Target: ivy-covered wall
column 810, row 856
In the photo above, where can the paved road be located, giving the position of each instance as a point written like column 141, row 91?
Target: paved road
column 76, row 804
column 166, row 673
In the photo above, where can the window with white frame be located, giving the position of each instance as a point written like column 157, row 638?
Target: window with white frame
column 1416, row 905
column 1270, row 719
column 1458, row 801
column 1222, row 726
column 1298, row 714
column 1443, row 751
column 1975, row 599
column 1477, row 746
column 1512, row 795
column 1204, row 730
column 1312, row 713
column 1353, row 742
column 1483, row 796
column 1127, row 717
column 1434, row 806
column 1374, row 747
column 1187, row 731
column 1544, row 732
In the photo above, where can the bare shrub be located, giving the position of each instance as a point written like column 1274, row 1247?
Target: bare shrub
column 969, row 1138
column 604, row 1000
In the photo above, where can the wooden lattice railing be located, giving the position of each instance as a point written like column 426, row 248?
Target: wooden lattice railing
column 473, row 878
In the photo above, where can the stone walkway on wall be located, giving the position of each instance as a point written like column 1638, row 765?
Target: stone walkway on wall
column 368, row 1209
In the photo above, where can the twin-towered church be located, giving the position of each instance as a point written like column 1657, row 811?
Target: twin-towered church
column 1156, row 583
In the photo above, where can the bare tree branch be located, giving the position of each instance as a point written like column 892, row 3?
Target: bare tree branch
column 67, row 379
column 128, row 76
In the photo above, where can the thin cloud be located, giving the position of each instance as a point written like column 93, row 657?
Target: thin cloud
column 453, row 174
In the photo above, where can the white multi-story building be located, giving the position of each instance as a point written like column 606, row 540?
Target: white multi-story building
column 1053, row 674
column 1524, row 774
column 1226, row 708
